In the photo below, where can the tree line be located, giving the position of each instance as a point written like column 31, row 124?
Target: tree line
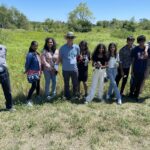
column 79, row 20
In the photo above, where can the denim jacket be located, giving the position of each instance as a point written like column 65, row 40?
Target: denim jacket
column 32, row 62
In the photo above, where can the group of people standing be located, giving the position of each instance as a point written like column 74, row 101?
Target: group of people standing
column 106, row 64
column 75, row 59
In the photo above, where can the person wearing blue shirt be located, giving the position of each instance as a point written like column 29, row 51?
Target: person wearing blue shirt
column 68, row 56
column 139, row 65
column 33, row 71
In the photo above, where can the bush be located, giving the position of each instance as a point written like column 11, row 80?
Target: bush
column 123, row 34
column 81, row 26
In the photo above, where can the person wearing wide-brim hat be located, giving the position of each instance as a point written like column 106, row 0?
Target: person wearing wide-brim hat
column 70, row 35
column 68, row 56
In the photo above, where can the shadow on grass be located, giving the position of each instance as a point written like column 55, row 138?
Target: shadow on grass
column 128, row 99
column 21, row 99
column 3, row 110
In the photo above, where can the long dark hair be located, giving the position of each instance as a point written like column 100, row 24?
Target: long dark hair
column 96, row 51
column 109, row 50
column 32, row 44
column 53, row 48
column 86, row 50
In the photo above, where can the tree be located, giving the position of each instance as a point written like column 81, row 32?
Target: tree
column 144, row 24
column 12, row 18
column 80, row 18
column 130, row 25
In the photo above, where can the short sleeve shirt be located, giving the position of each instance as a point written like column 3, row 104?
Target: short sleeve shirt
column 68, row 55
column 140, row 62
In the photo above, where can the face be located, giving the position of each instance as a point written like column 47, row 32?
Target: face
column 142, row 43
column 70, row 40
column 83, row 46
column 101, row 49
column 112, row 48
column 50, row 43
column 130, row 42
column 35, row 47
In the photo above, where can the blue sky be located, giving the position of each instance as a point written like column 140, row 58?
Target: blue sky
column 39, row 10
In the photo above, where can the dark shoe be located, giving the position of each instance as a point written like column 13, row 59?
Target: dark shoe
column 131, row 95
column 75, row 98
column 122, row 95
column 138, row 100
column 86, row 95
column 66, row 97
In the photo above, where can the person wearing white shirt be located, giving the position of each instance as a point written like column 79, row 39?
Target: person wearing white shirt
column 5, row 80
column 113, row 64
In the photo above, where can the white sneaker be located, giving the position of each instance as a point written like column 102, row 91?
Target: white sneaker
column 119, row 101
column 86, row 102
column 29, row 103
column 49, row 98
column 11, row 109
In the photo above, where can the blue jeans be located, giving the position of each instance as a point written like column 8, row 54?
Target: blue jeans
column 112, row 72
column 49, row 76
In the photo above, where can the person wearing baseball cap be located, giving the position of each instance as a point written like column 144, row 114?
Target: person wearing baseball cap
column 68, row 56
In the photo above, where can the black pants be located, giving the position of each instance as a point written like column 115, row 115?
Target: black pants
column 74, row 77
column 5, row 83
column 35, row 85
column 136, row 84
column 124, row 78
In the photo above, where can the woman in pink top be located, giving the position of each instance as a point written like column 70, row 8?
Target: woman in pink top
column 49, row 58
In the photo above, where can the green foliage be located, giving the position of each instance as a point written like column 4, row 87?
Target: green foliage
column 144, row 24
column 129, row 25
column 11, row 18
column 80, row 18
column 104, row 23
column 81, row 26
column 123, row 34
column 54, row 26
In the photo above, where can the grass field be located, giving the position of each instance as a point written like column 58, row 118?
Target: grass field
column 64, row 125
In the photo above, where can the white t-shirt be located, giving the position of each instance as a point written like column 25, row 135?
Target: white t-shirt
column 2, row 58
column 113, row 62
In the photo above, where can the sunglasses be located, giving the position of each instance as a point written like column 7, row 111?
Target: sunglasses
column 70, row 37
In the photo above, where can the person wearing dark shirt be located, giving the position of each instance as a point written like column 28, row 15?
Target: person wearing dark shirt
column 83, row 60
column 139, row 65
column 125, row 63
column 99, row 62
